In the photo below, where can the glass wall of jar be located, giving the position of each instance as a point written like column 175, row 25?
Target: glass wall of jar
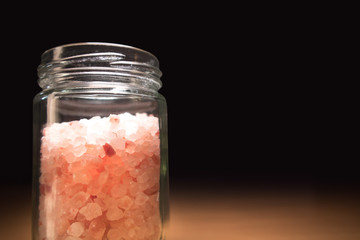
column 100, row 161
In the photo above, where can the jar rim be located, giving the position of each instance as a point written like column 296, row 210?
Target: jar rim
column 64, row 62
column 99, row 44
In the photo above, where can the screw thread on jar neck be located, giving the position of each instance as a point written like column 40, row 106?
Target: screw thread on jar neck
column 89, row 64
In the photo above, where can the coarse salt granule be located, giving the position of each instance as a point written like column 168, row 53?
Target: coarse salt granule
column 100, row 179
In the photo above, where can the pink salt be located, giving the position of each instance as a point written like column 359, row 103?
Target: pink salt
column 131, row 232
column 114, row 213
column 91, row 211
column 100, row 179
column 79, row 199
column 141, row 198
column 118, row 191
column 114, row 234
column 125, row 202
column 62, row 226
column 72, row 238
column 97, row 229
column 76, row 229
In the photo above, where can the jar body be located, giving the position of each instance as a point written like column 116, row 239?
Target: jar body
column 100, row 163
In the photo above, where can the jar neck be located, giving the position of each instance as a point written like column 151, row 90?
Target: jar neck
column 99, row 65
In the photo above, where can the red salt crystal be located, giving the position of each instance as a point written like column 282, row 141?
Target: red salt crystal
column 114, row 119
column 109, row 151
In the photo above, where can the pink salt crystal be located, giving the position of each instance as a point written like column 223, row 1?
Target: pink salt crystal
column 118, row 143
column 134, row 172
column 116, row 169
column 79, row 199
column 152, row 190
column 148, row 210
column 71, row 213
column 80, row 218
column 134, row 188
column 62, row 225
column 110, row 202
column 117, row 223
column 136, row 215
column 130, row 147
column 114, row 234
column 72, row 190
column 141, row 198
column 143, row 177
column 76, row 229
column 75, row 166
column 103, row 177
column 131, row 232
column 148, row 228
column 94, row 187
column 92, row 153
column 118, row 191
column 72, row 238
column 82, row 176
column 114, row 213
column 91, row 211
column 79, row 150
column 154, row 200
column 129, row 222
column 78, row 141
column 88, row 237
column 125, row 202
column 97, row 229
column 101, row 204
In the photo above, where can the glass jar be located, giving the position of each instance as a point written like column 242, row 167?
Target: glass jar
column 100, row 161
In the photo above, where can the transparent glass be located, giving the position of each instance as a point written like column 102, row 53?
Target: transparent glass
column 100, row 161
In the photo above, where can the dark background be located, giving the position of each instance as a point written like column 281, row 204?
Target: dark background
column 251, row 102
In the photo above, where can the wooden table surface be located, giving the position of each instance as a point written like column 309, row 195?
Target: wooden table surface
column 251, row 215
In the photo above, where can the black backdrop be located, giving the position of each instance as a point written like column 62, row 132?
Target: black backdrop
column 248, row 103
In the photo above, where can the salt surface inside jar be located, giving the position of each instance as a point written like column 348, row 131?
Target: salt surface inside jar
column 100, row 145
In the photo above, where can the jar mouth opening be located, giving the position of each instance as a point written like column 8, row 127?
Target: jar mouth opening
column 96, row 44
column 66, row 62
